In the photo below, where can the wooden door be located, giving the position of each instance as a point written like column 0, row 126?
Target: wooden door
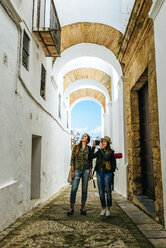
column 148, row 181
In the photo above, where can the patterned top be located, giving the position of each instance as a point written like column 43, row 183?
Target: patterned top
column 83, row 160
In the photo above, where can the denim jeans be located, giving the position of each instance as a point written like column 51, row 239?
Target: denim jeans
column 84, row 174
column 104, row 181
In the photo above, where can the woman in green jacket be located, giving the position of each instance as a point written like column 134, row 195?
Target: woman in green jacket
column 81, row 168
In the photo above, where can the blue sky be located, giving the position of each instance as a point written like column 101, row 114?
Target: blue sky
column 86, row 118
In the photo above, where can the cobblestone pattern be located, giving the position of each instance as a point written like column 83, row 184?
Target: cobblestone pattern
column 51, row 227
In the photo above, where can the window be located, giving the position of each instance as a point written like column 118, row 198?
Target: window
column 25, row 51
column 43, row 82
column 59, row 106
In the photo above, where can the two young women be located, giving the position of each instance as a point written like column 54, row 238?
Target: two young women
column 81, row 166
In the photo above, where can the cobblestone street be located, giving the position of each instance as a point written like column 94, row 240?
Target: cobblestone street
column 49, row 226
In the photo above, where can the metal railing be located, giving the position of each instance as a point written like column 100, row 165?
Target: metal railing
column 45, row 16
column 45, row 20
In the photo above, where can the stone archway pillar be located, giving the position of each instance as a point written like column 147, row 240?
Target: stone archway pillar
column 103, row 124
column 107, row 121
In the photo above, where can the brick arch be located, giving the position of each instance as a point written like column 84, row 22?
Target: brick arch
column 85, row 73
column 87, row 32
column 87, row 93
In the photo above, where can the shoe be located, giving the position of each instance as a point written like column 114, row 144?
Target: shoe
column 103, row 212
column 83, row 211
column 71, row 211
column 108, row 212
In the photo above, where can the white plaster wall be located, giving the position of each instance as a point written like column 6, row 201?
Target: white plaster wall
column 159, row 12
column 86, row 54
column 24, row 9
column 106, row 11
column 55, row 153
column 21, row 117
column 8, row 122
column 8, row 84
column 119, row 141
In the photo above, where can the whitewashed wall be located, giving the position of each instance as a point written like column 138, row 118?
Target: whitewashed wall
column 106, row 11
column 158, row 13
column 22, row 116
column 118, row 138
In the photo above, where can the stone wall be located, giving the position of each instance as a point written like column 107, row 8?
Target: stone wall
column 138, row 61
column 85, row 73
column 88, row 93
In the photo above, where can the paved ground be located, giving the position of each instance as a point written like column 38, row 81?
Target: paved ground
column 49, row 226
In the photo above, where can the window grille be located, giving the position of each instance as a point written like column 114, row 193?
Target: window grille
column 25, row 51
column 43, row 82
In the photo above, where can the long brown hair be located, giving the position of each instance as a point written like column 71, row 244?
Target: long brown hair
column 80, row 145
column 108, row 148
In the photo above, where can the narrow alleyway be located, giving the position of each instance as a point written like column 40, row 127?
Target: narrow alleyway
column 49, row 226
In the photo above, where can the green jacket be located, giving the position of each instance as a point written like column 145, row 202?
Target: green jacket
column 83, row 160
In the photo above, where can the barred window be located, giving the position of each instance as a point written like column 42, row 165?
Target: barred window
column 25, row 51
column 43, row 82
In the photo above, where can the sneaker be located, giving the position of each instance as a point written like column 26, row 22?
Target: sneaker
column 103, row 212
column 83, row 211
column 108, row 212
column 71, row 211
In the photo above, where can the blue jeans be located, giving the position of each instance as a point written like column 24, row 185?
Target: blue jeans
column 104, row 181
column 84, row 174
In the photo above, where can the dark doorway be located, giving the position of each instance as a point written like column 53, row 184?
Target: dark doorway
column 36, row 167
column 148, row 182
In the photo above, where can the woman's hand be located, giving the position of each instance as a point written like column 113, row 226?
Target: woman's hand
column 72, row 174
column 94, row 143
column 101, row 145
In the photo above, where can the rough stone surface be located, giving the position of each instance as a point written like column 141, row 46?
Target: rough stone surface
column 51, row 227
column 90, row 93
column 88, row 73
column 158, row 243
column 139, row 67
column 96, row 33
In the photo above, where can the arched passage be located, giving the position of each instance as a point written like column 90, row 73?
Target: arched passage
column 92, row 112
column 88, row 93
column 87, row 83
column 99, row 58
column 88, row 73
column 84, row 53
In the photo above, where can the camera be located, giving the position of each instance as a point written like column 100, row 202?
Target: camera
column 97, row 142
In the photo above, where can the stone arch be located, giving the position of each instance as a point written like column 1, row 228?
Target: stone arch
column 88, row 93
column 87, row 83
column 87, row 32
column 86, row 98
column 87, row 73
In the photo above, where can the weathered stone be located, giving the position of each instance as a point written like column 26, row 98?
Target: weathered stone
column 139, row 68
column 51, row 227
column 84, row 73
column 90, row 93
column 96, row 33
